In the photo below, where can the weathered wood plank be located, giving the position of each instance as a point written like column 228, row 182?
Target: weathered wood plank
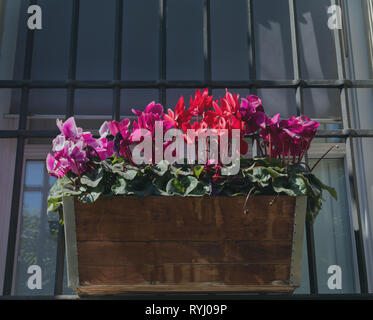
column 105, row 253
column 166, row 218
column 215, row 274
column 190, row 288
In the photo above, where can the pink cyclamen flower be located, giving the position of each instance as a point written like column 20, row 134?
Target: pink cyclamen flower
column 74, row 149
column 252, row 113
column 55, row 168
column 300, row 132
column 121, row 127
column 69, row 128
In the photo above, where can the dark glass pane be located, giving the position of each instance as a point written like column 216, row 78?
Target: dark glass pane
column 93, row 101
column 96, row 40
column 141, row 40
column 173, row 96
column 278, row 101
column 47, row 101
column 322, row 103
column 137, row 99
column 185, row 40
column 272, row 39
column 10, row 38
column 52, row 43
column 41, row 101
column 13, row 39
column 220, row 93
column 229, row 40
column 316, row 40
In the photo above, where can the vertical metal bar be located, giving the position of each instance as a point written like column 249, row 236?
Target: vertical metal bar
column 17, row 182
column 117, row 58
column 60, row 257
column 251, row 42
column 300, row 110
column 207, row 42
column 295, row 53
column 73, row 57
column 350, row 161
column 344, row 29
column 252, row 58
column 163, row 50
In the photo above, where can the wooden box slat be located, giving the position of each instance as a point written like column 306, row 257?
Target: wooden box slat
column 129, row 244
column 178, row 218
column 193, row 252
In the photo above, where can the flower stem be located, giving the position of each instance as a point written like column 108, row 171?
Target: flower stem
column 324, row 155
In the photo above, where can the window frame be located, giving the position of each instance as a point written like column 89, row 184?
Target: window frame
column 36, row 153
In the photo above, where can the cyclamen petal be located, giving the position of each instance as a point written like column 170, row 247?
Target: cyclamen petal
column 58, row 143
column 69, row 128
column 154, row 108
column 50, row 161
column 104, row 129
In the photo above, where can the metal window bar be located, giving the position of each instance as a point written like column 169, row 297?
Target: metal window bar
column 162, row 52
column 310, row 242
column 117, row 58
column 251, row 42
column 71, row 84
column 22, row 122
column 207, row 42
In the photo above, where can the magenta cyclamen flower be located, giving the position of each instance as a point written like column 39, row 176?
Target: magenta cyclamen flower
column 74, row 149
column 289, row 138
column 252, row 113
column 300, row 132
column 146, row 120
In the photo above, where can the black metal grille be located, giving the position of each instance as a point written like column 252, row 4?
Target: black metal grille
column 71, row 84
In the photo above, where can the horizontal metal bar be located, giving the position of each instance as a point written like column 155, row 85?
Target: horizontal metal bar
column 123, row 84
column 345, row 133
column 342, row 133
column 109, row 117
column 8, row 134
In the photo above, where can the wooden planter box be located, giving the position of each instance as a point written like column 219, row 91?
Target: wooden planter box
column 192, row 244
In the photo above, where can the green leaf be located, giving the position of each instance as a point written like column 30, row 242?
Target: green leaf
column 93, row 179
column 53, row 205
column 260, row 176
column 181, row 171
column 294, row 186
column 119, row 188
column 275, row 172
column 190, row 184
column 201, row 190
column 174, row 187
column 313, row 190
column 183, row 186
column 318, row 182
column 198, row 170
column 91, row 196
column 161, row 168
column 129, row 174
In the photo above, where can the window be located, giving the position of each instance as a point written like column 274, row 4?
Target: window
column 97, row 61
